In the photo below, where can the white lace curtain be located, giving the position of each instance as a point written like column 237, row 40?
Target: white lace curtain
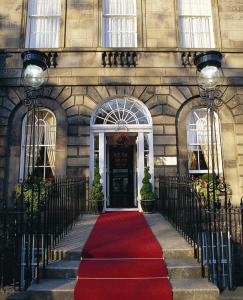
column 43, row 24
column 119, row 23
column 196, row 25
column 199, row 138
column 44, row 141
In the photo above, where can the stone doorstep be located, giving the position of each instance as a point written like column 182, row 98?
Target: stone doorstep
column 236, row 294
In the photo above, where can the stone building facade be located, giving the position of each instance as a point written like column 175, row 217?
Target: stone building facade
column 151, row 74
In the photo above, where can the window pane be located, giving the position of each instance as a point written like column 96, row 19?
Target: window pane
column 43, row 24
column 119, row 23
column 195, row 24
column 121, row 112
column 38, row 146
column 193, row 160
column 199, row 142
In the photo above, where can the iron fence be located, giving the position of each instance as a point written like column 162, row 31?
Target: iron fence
column 43, row 214
column 212, row 228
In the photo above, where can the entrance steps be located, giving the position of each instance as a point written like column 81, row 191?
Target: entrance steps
column 184, row 271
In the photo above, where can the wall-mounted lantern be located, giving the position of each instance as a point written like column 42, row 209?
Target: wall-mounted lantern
column 35, row 64
column 209, row 72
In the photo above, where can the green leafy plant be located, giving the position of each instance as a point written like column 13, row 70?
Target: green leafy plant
column 33, row 192
column 146, row 191
column 204, row 185
column 96, row 189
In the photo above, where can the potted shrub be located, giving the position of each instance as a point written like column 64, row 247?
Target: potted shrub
column 147, row 194
column 96, row 195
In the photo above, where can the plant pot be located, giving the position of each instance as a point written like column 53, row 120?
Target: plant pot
column 148, row 206
column 100, row 206
column 96, row 206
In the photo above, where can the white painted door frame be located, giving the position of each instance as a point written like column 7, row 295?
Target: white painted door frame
column 140, row 159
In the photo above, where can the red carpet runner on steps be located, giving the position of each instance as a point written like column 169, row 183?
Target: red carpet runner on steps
column 122, row 260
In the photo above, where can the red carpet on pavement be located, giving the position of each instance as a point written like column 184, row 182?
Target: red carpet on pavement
column 122, row 260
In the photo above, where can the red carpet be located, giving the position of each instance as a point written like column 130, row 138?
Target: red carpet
column 122, row 260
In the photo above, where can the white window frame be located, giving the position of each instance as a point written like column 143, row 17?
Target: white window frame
column 22, row 174
column 124, row 39
column 196, row 17
column 202, row 138
column 31, row 40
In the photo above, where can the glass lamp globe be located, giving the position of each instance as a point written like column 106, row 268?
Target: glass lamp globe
column 209, row 77
column 34, row 76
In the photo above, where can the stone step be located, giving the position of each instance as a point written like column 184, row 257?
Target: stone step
column 178, row 253
column 194, row 289
column 62, row 269
column 72, row 254
column 177, row 268
column 70, row 247
column 52, row 289
column 183, row 289
column 16, row 296
column 172, row 243
column 236, row 294
column 183, row 268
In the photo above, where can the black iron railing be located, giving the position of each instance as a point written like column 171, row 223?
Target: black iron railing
column 43, row 214
column 211, row 228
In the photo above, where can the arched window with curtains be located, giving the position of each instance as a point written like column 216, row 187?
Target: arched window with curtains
column 196, row 24
column 199, row 142
column 119, row 27
column 38, row 145
column 43, row 24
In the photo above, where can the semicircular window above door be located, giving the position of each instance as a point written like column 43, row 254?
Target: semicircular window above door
column 121, row 111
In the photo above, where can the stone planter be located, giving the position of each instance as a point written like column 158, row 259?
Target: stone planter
column 148, row 206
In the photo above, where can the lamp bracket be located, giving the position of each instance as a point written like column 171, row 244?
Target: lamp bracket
column 32, row 96
column 213, row 98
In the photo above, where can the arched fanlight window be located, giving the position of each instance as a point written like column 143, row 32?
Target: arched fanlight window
column 121, row 111
column 38, row 145
column 199, row 142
